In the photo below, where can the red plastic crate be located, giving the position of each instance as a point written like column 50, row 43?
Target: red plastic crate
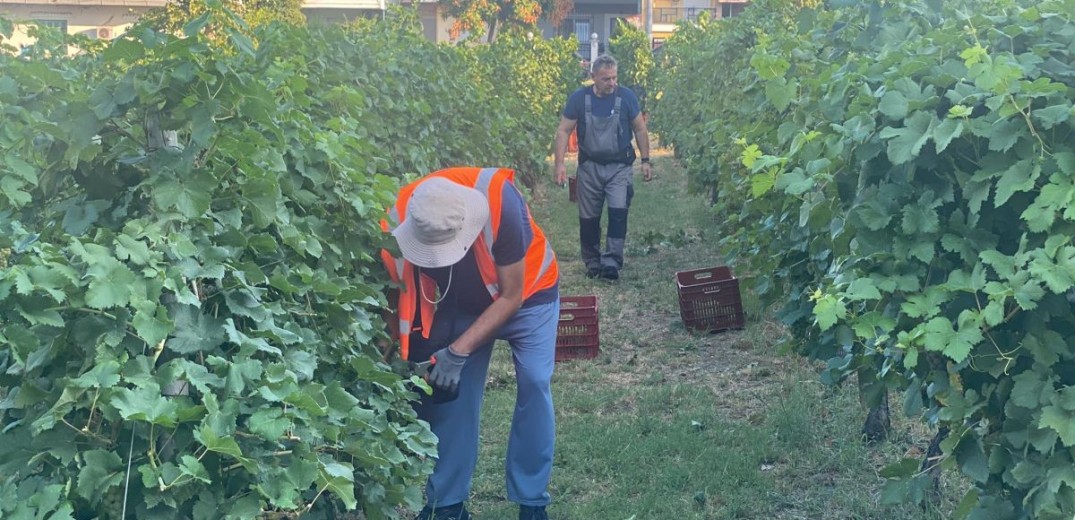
column 572, row 189
column 578, row 334
column 709, row 299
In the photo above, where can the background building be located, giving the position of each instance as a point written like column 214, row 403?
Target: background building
column 107, row 19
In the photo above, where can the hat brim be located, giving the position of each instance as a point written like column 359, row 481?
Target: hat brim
column 448, row 253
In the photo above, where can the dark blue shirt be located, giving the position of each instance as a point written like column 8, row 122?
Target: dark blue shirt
column 466, row 292
column 602, row 107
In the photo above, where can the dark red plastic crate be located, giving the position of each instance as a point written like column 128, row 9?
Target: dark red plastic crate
column 578, row 335
column 572, row 189
column 709, row 299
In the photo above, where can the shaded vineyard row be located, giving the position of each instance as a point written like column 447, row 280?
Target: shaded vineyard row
column 899, row 178
column 189, row 293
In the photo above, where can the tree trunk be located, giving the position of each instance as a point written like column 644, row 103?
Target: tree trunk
column 493, row 26
column 878, row 422
column 931, row 463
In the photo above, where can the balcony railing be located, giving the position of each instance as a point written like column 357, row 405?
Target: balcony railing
column 675, row 14
column 584, row 49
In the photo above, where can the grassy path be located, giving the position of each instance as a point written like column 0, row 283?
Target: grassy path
column 668, row 424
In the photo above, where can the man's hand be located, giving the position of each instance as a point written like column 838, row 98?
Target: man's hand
column 647, row 172
column 561, row 175
column 447, row 368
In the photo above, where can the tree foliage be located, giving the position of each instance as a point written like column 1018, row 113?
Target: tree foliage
column 899, row 176
column 190, row 294
column 634, row 55
column 489, row 17
column 174, row 15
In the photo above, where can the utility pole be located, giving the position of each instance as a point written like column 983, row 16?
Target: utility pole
column 649, row 21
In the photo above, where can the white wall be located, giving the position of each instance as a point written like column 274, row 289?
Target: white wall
column 79, row 18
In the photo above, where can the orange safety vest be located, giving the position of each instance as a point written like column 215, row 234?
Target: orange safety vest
column 540, row 268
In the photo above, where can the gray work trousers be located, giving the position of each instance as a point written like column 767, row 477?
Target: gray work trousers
column 596, row 185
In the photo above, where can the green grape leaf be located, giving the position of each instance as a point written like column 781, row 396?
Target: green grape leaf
column 971, row 458
column 193, row 467
column 1058, row 276
column 945, row 132
column 1004, row 265
column 1004, row 134
column 1050, row 116
column 925, row 304
column 1020, row 177
column 966, row 504
column 781, row 92
column 265, row 199
column 862, row 289
column 1027, row 293
column 1060, row 419
column 993, row 313
column 225, row 446
column 917, row 219
column 829, row 309
column 110, row 285
column 136, row 251
column 893, row 105
column 101, row 470
column 190, row 195
column 339, row 479
column 794, row 182
column 761, row 183
column 195, row 331
column 905, row 143
column 145, row 404
column 268, row 423
column 940, row 336
column 1029, row 390
column 769, row 66
column 104, row 375
column 922, row 250
column 874, row 215
column 910, row 360
column 151, row 322
column 1066, row 162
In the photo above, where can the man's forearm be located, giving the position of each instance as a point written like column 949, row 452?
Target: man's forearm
column 486, row 325
column 559, row 148
column 643, row 144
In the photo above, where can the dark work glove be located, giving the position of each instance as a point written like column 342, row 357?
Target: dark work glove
column 447, row 368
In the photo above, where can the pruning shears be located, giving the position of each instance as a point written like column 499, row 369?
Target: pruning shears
column 422, row 368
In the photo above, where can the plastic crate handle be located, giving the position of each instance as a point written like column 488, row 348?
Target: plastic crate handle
column 711, row 289
column 567, row 317
column 702, row 275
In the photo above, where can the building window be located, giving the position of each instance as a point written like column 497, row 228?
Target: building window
column 582, row 31
column 429, row 27
column 729, row 10
column 60, row 25
column 579, row 29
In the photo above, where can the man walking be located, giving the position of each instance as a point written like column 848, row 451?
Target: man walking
column 476, row 268
column 606, row 116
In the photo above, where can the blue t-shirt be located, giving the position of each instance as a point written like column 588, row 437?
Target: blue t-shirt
column 602, row 107
column 466, row 291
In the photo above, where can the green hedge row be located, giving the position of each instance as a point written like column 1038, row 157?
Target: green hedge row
column 190, row 295
column 898, row 178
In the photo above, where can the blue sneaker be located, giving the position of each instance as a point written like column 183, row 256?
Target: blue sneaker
column 456, row 512
column 532, row 513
